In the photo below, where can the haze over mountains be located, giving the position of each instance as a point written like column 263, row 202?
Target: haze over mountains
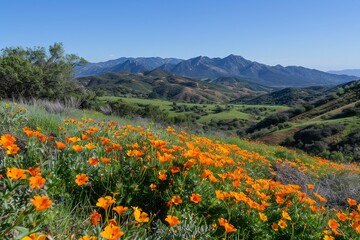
column 352, row 72
column 203, row 67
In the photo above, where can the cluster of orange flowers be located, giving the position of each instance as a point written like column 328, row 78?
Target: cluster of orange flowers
column 224, row 175
column 8, row 142
column 35, row 181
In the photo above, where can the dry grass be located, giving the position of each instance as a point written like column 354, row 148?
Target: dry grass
column 106, row 109
column 338, row 188
column 335, row 188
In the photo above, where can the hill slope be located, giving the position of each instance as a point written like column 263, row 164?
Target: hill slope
column 322, row 126
column 158, row 84
column 287, row 96
column 93, row 176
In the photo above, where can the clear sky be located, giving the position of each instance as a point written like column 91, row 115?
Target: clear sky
column 322, row 34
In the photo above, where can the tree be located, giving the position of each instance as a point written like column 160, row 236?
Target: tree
column 38, row 73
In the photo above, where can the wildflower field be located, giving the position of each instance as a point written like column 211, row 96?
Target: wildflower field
column 92, row 178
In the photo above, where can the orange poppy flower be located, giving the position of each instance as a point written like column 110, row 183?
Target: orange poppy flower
column 196, row 198
column 60, row 145
column 175, row 169
column 333, row 224
column 105, row 202
column 314, row 208
column 15, row 173
column 310, row 186
column 282, row 224
column 12, row 149
column 33, row 236
column 37, row 181
column 263, row 217
column 120, row 209
column 341, row 216
column 229, row 228
column 105, row 160
column 274, row 226
column 77, row 148
column 111, row 232
column 93, row 161
column 176, row 200
column 7, row 140
column 152, row 187
column 81, row 179
column 41, row 202
column 172, row 220
column 87, row 237
column 95, row 218
column 162, row 175
column 351, row 201
column 34, row 171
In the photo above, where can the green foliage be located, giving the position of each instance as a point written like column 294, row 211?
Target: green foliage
column 37, row 73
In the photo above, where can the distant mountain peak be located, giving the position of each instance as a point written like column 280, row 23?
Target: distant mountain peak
column 230, row 66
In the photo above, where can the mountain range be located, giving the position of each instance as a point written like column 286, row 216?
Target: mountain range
column 352, row 72
column 203, row 67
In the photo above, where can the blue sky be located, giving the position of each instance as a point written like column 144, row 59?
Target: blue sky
column 322, row 34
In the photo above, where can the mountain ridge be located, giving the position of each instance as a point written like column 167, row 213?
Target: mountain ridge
column 203, row 67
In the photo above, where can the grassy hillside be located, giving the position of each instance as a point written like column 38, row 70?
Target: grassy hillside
column 287, row 96
column 80, row 174
column 159, row 84
column 205, row 113
column 342, row 108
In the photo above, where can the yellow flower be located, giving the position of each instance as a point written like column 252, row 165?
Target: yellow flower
column 327, row 237
column 77, row 148
column 139, row 215
column 282, row 224
column 285, row 215
column 105, row 202
column 152, row 187
column 33, row 236
column 90, row 146
column 86, row 237
column 263, row 217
